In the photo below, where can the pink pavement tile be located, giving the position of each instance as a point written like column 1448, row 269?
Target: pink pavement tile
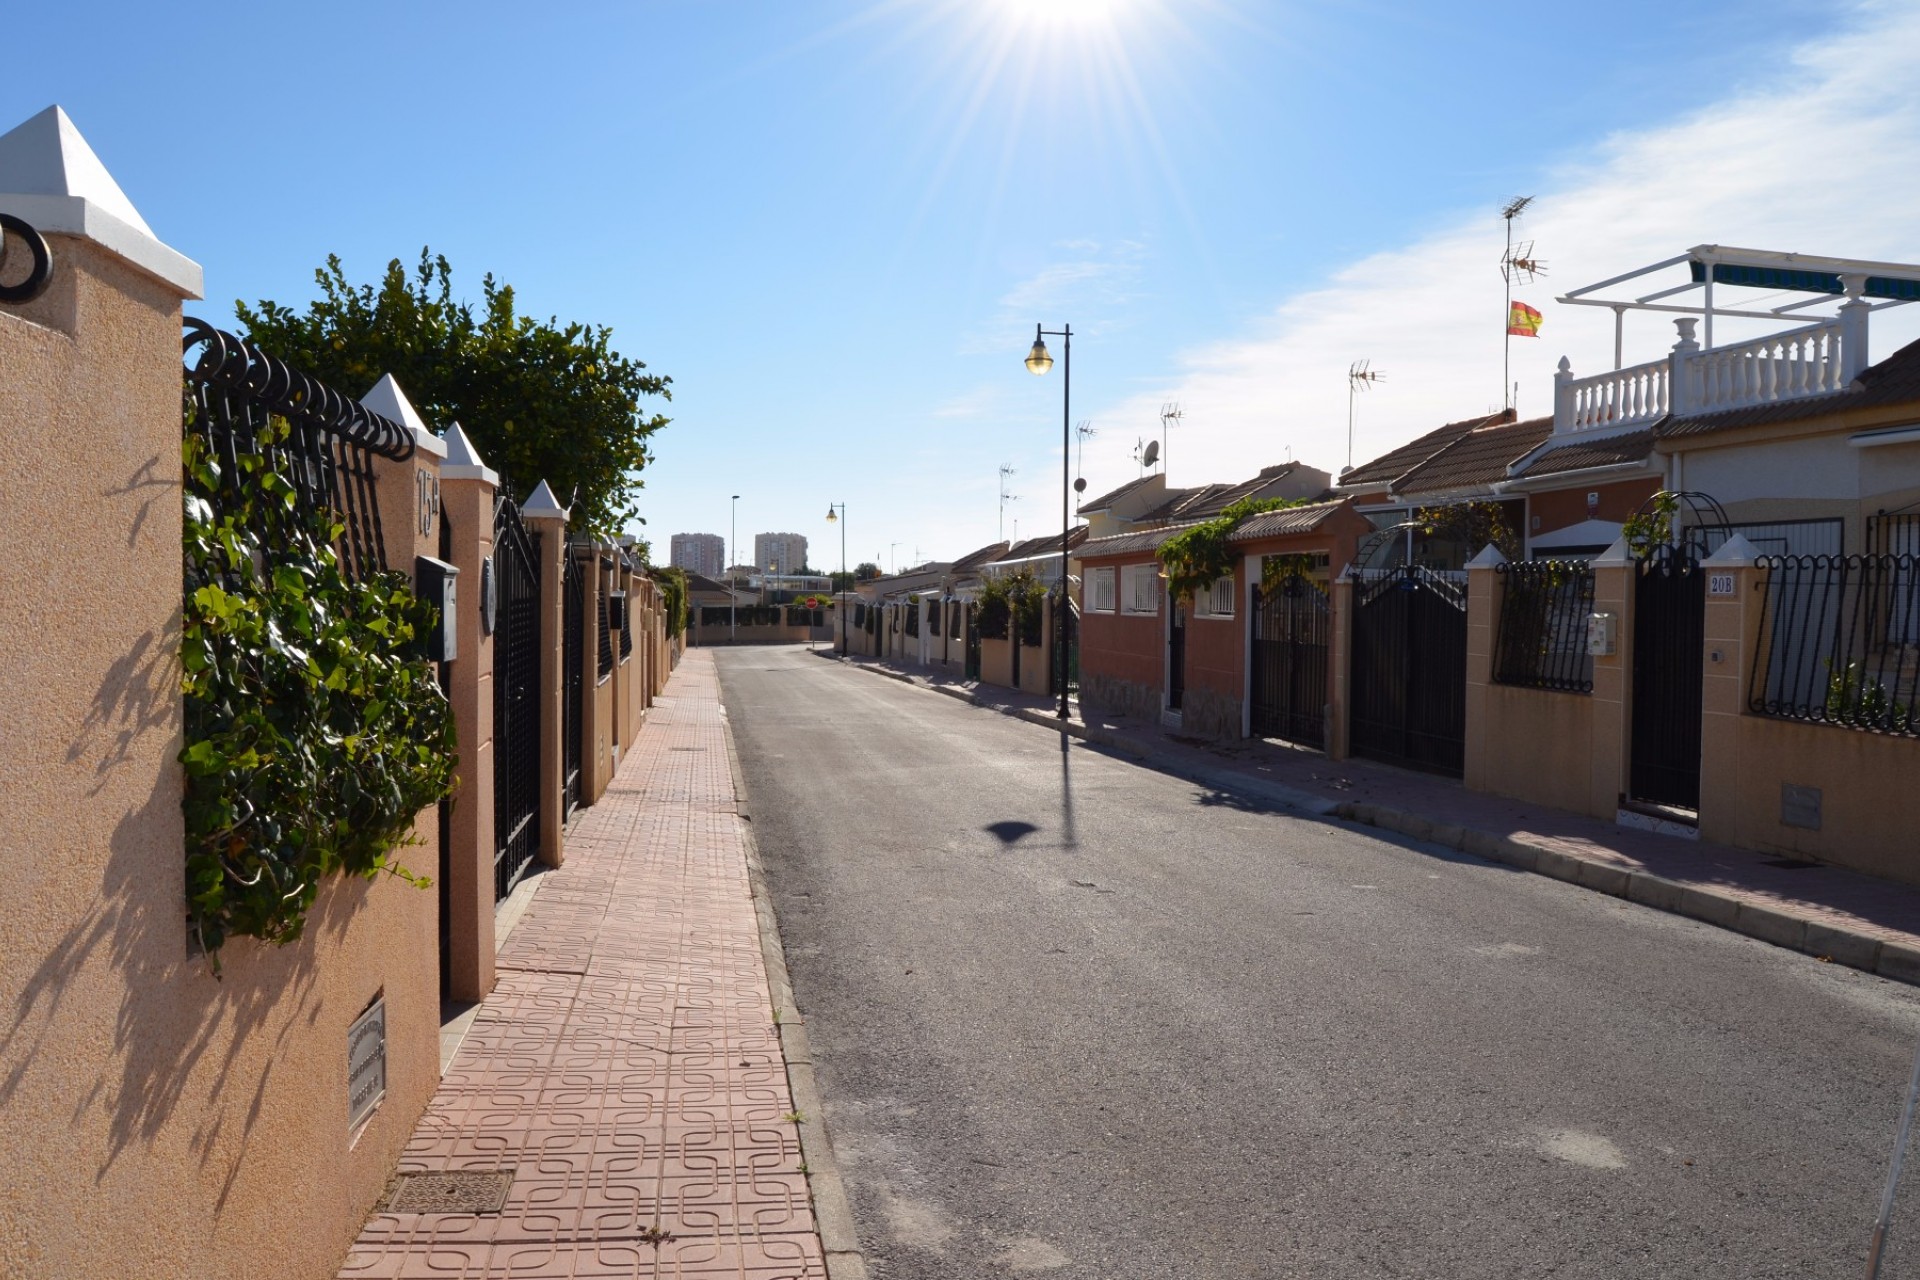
column 626, row 1067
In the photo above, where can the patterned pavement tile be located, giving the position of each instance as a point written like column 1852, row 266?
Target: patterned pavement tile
column 626, row 1067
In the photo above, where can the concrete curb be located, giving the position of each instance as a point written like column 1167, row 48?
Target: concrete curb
column 1896, row 961
column 832, row 1210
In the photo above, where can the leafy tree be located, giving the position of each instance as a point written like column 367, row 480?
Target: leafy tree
column 541, row 401
column 866, row 571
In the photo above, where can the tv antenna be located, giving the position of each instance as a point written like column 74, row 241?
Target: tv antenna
column 1169, row 415
column 1083, row 430
column 1517, row 261
column 1005, row 498
column 1360, row 377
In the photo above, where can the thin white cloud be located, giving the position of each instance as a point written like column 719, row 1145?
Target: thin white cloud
column 1096, row 278
column 1823, row 159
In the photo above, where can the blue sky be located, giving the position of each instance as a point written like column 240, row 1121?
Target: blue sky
column 834, row 225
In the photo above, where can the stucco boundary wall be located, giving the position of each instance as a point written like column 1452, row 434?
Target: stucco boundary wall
column 1868, row 817
column 1570, row 751
column 1567, row 750
column 158, row 1120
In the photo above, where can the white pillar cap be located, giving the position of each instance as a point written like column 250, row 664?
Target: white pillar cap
column 389, row 401
column 51, row 178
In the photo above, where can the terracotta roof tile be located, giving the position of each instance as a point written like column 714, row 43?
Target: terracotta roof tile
column 1106, row 500
column 1391, row 466
column 1272, row 524
column 1581, row 454
column 1476, row 460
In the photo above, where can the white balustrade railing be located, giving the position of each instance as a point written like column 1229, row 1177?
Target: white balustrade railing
column 1619, row 398
column 1782, row 366
column 1815, row 360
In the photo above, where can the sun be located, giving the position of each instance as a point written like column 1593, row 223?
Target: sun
column 1063, row 13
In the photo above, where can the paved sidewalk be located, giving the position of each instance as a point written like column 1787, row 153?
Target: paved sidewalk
column 1835, row 914
column 627, row 1069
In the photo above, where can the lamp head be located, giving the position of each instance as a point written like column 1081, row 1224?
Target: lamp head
column 831, row 518
column 1038, row 361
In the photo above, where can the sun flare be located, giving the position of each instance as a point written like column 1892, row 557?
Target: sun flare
column 1062, row 13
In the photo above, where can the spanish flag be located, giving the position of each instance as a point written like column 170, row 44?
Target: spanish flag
column 1523, row 321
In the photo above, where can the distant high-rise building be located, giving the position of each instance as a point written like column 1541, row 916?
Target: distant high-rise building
column 702, row 553
column 783, row 552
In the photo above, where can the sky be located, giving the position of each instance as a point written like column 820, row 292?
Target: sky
column 834, row 224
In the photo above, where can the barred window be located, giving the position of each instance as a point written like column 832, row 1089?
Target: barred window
column 1542, row 641
column 1141, row 588
column 1100, row 590
column 1215, row 600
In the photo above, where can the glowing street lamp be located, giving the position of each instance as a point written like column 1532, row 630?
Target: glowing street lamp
column 1038, row 363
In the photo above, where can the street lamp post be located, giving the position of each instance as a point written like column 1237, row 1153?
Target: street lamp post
column 841, row 521
column 1038, row 362
column 733, row 545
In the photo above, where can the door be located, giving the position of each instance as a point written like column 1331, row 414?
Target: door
column 1409, row 672
column 1669, row 632
column 1291, row 623
column 1176, row 653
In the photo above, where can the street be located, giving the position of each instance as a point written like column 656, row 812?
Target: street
column 1078, row 1018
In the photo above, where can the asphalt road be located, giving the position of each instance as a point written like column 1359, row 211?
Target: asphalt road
column 1075, row 1018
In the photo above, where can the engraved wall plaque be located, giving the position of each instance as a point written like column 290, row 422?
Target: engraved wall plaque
column 366, row 1063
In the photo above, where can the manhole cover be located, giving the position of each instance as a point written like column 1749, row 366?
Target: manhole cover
column 451, row 1192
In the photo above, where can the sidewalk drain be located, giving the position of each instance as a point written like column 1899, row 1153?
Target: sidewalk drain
column 451, row 1192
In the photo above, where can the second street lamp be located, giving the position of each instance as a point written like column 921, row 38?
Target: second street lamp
column 1038, row 362
column 842, row 607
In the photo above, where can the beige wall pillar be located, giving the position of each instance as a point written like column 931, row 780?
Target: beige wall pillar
column 1485, row 586
column 467, row 492
column 1339, row 665
column 1614, row 573
column 546, row 520
column 1734, row 611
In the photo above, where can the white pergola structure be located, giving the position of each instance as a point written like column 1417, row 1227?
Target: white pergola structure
column 1751, row 272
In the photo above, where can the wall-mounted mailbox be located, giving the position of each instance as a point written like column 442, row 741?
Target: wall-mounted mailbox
column 617, row 610
column 433, row 580
column 489, row 596
column 1600, row 635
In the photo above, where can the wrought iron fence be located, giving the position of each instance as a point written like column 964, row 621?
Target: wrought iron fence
column 1542, row 640
column 234, row 391
column 626, row 631
column 912, row 610
column 603, row 659
column 1894, row 534
column 801, row 617
column 1840, row 642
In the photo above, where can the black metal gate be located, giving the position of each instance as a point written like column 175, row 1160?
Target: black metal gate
column 1669, row 629
column 973, row 642
column 1290, row 640
column 574, row 657
column 1409, row 675
column 516, row 697
column 1176, row 653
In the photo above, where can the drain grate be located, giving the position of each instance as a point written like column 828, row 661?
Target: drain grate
column 451, row 1192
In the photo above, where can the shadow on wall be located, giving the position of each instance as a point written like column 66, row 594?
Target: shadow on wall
column 129, row 945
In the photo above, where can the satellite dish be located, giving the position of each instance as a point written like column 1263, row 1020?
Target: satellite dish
column 1152, row 455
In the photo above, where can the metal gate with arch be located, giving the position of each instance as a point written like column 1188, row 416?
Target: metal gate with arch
column 573, row 668
column 1409, row 670
column 515, row 585
column 1669, row 630
column 1290, row 622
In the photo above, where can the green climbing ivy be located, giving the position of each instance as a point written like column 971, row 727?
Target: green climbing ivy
column 315, row 731
column 1200, row 556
